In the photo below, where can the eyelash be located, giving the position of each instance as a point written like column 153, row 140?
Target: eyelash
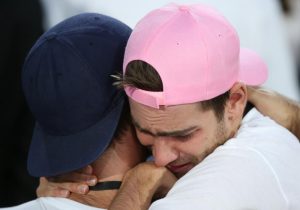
column 184, row 138
column 180, row 138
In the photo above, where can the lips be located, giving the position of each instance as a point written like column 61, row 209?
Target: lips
column 180, row 169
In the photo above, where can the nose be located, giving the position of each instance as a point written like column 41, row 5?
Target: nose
column 163, row 152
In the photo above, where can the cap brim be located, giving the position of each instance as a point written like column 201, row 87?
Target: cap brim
column 52, row 155
column 253, row 70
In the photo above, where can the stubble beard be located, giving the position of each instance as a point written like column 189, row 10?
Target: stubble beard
column 221, row 136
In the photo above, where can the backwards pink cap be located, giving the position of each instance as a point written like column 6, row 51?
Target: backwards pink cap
column 195, row 51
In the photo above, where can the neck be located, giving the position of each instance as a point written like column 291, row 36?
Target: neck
column 109, row 167
column 112, row 166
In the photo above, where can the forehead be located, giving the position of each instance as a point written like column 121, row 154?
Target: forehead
column 167, row 118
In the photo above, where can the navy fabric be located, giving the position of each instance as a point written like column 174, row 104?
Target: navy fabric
column 67, row 84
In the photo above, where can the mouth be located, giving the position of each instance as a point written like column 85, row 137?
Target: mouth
column 180, row 169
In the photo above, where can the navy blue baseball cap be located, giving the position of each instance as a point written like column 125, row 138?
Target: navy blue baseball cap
column 67, row 84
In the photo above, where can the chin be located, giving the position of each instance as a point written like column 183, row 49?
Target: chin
column 180, row 174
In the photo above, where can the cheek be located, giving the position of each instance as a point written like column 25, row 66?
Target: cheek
column 223, row 133
column 192, row 147
column 200, row 143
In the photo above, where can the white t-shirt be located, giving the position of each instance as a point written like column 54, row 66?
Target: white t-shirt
column 259, row 169
column 49, row 203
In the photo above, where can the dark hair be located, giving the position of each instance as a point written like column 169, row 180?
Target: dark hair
column 142, row 75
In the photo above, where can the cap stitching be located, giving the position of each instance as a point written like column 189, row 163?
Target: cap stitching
column 202, row 39
column 156, row 34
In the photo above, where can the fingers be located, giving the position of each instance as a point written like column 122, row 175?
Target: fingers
column 53, row 192
column 75, row 177
column 83, row 175
column 45, row 188
column 78, row 188
column 72, row 182
column 63, row 189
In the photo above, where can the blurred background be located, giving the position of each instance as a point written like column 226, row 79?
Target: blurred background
column 270, row 27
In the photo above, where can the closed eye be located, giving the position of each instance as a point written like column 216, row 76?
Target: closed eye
column 184, row 137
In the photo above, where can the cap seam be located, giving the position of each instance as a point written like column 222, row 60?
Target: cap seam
column 74, row 50
column 197, row 22
column 156, row 34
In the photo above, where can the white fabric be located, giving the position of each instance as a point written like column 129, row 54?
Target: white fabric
column 48, row 203
column 258, row 169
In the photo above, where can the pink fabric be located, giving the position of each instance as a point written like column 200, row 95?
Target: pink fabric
column 196, row 52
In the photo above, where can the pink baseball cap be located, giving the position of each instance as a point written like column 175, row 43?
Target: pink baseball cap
column 196, row 52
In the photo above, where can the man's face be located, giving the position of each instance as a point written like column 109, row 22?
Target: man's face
column 179, row 136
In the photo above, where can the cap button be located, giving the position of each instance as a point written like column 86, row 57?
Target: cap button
column 183, row 8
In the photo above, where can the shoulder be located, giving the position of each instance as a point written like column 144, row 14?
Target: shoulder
column 258, row 130
column 267, row 138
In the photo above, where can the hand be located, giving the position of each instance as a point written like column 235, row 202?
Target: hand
column 284, row 111
column 62, row 185
column 161, row 179
column 141, row 185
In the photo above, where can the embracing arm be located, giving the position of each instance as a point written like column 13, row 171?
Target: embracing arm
column 141, row 185
column 283, row 110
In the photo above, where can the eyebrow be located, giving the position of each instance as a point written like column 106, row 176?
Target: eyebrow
column 165, row 133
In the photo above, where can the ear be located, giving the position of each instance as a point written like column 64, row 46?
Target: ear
column 237, row 102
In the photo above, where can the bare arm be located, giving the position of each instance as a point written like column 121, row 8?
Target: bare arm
column 283, row 110
column 141, row 185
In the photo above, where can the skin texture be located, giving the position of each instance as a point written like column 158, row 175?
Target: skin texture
column 61, row 186
column 136, row 193
column 182, row 136
column 283, row 110
column 112, row 165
